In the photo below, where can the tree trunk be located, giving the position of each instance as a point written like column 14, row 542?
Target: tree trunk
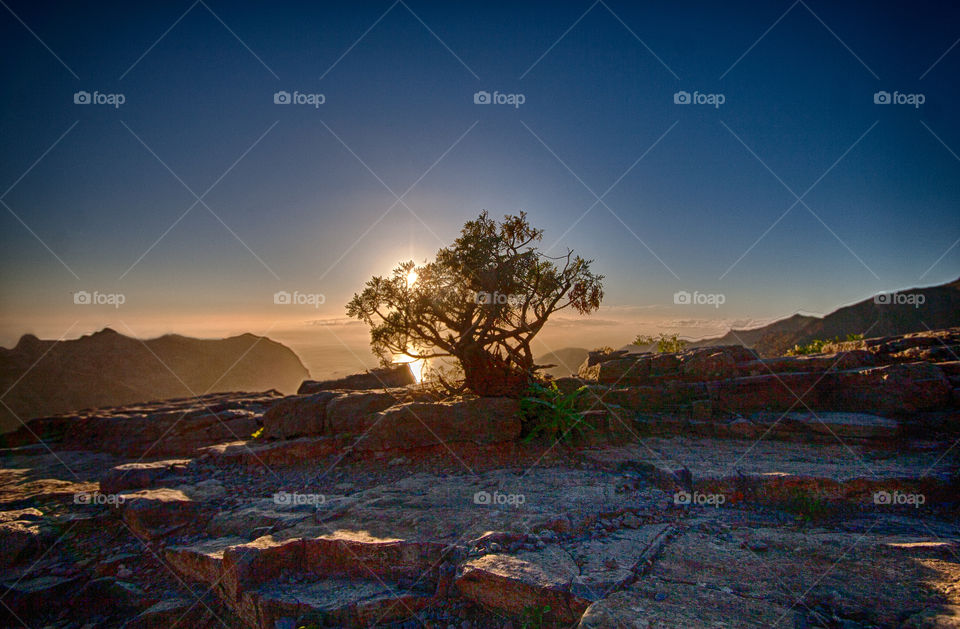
column 490, row 376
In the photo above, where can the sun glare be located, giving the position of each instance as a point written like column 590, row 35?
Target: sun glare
column 416, row 365
column 411, row 277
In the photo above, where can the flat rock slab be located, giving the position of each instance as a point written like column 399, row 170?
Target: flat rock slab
column 344, row 602
column 877, row 579
column 260, row 518
column 34, row 480
column 658, row 603
column 29, row 596
column 140, row 475
column 515, row 583
column 154, row 513
column 840, row 425
column 607, row 563
column 201, row 561
column 566, row 578
column 718, row 459
column 304, row 450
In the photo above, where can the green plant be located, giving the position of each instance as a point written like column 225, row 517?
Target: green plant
column 666, row 344
column 533, row 616
column 808, row 507
column 816, row 346
column 548, row 411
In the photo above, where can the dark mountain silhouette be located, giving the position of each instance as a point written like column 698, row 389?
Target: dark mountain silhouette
column 940, row 309
column 110, row 369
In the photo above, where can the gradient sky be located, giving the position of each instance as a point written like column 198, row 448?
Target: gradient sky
column 300, row 194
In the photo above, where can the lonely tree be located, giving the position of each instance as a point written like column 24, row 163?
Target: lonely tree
column 481, row 301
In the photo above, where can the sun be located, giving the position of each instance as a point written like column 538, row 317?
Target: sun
column 416, row 365
column 411, row 277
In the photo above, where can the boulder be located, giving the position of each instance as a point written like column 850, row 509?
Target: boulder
column 352, row 413
column 901, row 388
column 481, row 421
column 155, row 513
column 297, row 415
column 709, row 364
column 140, row 475
column 382, row 378
column 598, row 356
column 514, row 584
column 627, row 370
column 20, row 540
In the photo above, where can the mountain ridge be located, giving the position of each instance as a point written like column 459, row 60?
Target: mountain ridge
column 107, row 368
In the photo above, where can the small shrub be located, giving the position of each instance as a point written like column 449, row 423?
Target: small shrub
column 816, row 345
column 808, row 507
column 548, row 411
column 665, row 344
column 533, row 617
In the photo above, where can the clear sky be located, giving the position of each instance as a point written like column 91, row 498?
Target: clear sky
column 297, row 197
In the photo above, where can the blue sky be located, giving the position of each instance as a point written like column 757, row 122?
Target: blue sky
column 300, row 194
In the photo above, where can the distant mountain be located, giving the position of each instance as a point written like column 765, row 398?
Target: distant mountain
column 110, row 369
column 567, row 361
column 940, row 308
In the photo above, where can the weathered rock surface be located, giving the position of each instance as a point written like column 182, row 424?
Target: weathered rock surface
column 382, row 378
column 389, row 507
column 154, row 513
column 158, row 429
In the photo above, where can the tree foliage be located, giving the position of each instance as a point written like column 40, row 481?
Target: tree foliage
column 482, row 300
